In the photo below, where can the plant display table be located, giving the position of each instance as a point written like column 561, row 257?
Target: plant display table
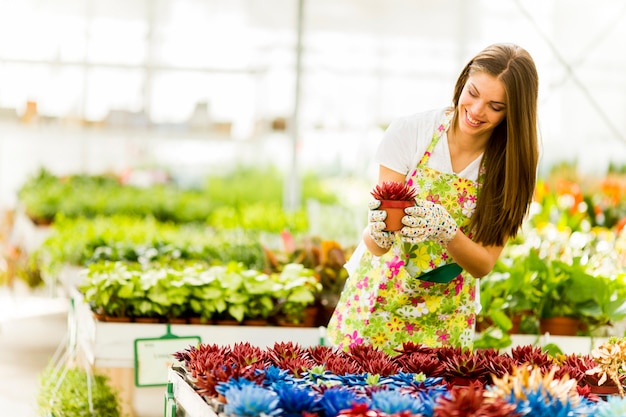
column 182, row 401
column 109, row 347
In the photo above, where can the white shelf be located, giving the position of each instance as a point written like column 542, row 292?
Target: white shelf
column 186, row 398
column 111, row 345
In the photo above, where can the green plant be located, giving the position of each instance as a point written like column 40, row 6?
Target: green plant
column 570, row 291
column 299, row 288
column 551, row 273
column 82, row 241
column 74, row 392
column 245, row 197
column 130, row 289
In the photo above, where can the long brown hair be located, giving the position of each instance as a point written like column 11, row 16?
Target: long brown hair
column 511, row 157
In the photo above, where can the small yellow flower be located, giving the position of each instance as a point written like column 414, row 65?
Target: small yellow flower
column 379, row 339
column 422, row 258
column 433, row 303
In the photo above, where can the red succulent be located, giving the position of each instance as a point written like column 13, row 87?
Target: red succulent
column 393, row 190
column 342, row 365
column 419, row 362
column 320, row 354
column 243, row 354
column 466, row 365
column 373, row 360
column 471, row 401
column 532, row 355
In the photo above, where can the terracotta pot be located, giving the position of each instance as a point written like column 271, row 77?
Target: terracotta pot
column 147, row 320
column 559, row 326
column 226, row 322
column 395, row 213
column 605, row 389
column 99, row 317
column 461, row 381
column 308, row 320
column 516, row 321
column 114, row 319
column 255, row 322
column 198, row 320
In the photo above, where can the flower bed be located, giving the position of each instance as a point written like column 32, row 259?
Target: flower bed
column 289, row 380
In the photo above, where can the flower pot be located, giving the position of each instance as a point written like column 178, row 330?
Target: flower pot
column 115, row 319
column 559, row 326
column 395, row 213
column 255, row 322
column 199, row 320
column 606, row 389
column 147, row 320
column 308, row 320
column 99, row 316
column 460, row 381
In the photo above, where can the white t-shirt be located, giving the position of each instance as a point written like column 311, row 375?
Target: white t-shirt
column 407, row 138
column 402, row 146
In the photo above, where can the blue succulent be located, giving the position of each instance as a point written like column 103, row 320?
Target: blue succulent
column 614, row 406
column 339, row 398
column 314, row 377
column 273, row 374
column 223, row 387
column 392, row 401
column 428, row 399
column 251, row 401
column 293, row 400
column 403, row 379
column 541, row 403
column 353, row 379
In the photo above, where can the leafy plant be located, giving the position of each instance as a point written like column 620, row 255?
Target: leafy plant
column 130, row 289
column 298, row 289
column 74, row 392
column 83, row 241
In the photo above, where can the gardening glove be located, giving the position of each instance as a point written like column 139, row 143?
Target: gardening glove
column 427, row 221
column 376, row 225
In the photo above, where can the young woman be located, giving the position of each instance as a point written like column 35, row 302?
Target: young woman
column 473, row 166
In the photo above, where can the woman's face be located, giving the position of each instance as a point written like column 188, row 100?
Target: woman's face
column 482, row 104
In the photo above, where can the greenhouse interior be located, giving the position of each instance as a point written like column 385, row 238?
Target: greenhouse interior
column 186, row 205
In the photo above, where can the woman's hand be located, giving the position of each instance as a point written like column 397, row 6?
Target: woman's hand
column 428, row 221
column 376, row 225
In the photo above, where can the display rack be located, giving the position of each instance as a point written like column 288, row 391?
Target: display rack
column 182, row 401
column 109, row 347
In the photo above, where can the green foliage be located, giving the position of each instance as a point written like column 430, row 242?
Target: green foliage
column 247, row 185
column 67, row 391
column 251, row 197
column 184, row 289
column 269, row 217
column 82, row 241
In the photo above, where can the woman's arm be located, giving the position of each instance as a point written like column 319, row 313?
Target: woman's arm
column 473, row 257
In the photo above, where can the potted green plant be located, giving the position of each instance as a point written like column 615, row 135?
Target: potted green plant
column 295, row 299
column 572, row 292
column 508, row 294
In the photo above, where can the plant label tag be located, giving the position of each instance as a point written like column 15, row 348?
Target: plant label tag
column 154, row 357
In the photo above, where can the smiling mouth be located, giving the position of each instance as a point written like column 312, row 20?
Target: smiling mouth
column 472, row 121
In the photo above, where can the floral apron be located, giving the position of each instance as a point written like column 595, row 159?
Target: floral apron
column 385, row 305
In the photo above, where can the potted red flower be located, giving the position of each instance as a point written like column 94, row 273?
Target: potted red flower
column 394, row 198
